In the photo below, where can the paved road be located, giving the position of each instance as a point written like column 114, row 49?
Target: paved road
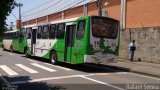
column 17, row 71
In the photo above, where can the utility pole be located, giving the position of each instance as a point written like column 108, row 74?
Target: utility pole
column 99, row 7
column 19, row 5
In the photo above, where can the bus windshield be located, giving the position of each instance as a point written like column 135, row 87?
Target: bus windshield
column 103, row 27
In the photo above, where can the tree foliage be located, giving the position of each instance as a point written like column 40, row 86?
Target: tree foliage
column 6, row 7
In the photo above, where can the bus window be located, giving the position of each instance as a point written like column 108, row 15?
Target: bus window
column 14, row 35
column 52, row 32
column 28, row 33
column 60, row 31
column 80, row 29
column 17, row 34
column 23, row 31
column 104, row 28
column 5, row 36
column 45, row 32
column 39, row 32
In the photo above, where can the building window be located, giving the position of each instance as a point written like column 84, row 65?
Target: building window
column 80, row 29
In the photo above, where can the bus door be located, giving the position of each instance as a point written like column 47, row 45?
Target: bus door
column 33, row 40
column 69, row 42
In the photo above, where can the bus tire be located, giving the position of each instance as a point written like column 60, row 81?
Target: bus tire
column 53, row 57
column 27, row 53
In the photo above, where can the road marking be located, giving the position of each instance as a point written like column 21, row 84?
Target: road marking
column 127, row 72
column 102, row 83
column 32, row 61
column 144, row 76
column 45, row 79
column 53, row 78
column 11, row 54
column 26, row 68
column 8, row 70
column 43, row 67
column 67, row 69
column 65, row 77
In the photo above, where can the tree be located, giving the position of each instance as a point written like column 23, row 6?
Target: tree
column 6, row 7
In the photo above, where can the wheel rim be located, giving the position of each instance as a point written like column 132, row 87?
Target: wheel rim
column 53, row 58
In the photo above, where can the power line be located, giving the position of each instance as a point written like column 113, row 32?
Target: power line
column 43, row 9
column 70, row 4
column 69, row 8
column 37, row 6
column 14, row 16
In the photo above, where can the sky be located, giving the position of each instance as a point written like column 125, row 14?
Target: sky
column 27, row 5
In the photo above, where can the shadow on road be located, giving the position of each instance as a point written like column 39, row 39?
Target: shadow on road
column 89, row 68
column 26, row 85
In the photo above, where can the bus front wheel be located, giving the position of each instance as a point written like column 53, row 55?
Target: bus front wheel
column 53, row 57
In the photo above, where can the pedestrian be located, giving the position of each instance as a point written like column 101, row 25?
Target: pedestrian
column 132, row 47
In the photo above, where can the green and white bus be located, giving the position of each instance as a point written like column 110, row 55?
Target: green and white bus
column 86, row 39
column 14, row 41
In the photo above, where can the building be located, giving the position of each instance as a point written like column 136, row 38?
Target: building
column 139, row 20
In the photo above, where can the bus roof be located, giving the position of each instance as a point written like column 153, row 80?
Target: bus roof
column 62, row 21
column 11, row 31
column 53, row 22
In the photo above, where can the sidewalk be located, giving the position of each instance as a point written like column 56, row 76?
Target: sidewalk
column 150, row 69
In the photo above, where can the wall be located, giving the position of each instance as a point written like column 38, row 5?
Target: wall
column 147, row 40
column 143, row 25
column 74, row 12
column 55, row 16
column 113, row 8
column 142, row 13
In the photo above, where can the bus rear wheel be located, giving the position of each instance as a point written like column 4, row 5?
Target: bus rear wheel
column 53, row 58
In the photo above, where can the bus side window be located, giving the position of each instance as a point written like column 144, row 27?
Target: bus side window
column 28, row 33
column 81, row 29
column 17, row 34
column 52, row 31
column 14, row 35
column 60, row 31
column 5, row 36
column 23, row 31
column 45, row 32
column 39, row 36
column 8, row 35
